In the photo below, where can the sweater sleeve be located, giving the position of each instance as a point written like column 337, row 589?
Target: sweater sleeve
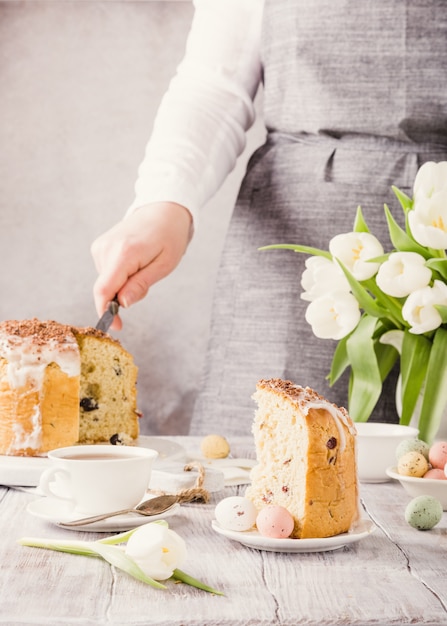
column 200, row 127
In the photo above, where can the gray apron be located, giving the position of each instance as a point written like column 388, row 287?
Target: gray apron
column 355, row 100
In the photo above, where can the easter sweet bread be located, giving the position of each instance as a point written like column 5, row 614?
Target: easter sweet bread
column 61, row 385
column 306, row 459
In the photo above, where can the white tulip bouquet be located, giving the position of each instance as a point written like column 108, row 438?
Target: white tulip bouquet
column 382, row 307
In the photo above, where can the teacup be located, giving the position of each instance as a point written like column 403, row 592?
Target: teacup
column 98, row 478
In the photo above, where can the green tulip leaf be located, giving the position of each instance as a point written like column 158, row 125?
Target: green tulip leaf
column 393, row 337
column 380, row 259
column 60, row 545
column 363, row 297
column 193, row 582
column 298, row 248
column 435, row 391
column 360, row 226
column 391, row 307
column 439, row 266
column 366, row 382
column 401, row 240
column 405, row 202
column 386, row 358
column 413, row 367
column 340, row 361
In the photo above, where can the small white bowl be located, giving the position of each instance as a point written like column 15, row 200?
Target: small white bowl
column 421, row 486
column 376, row 448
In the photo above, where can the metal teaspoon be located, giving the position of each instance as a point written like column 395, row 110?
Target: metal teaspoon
column 153, row 506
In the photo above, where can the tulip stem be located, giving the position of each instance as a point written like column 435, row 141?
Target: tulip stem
column 189, row 580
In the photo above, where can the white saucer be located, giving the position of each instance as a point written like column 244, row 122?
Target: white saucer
column 253, row 539
column 57, row 512
column 25, row 471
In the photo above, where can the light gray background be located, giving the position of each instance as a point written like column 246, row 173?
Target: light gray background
column 80, row 84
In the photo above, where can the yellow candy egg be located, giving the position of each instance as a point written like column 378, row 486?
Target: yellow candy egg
column 215, row 447
column 413, row 464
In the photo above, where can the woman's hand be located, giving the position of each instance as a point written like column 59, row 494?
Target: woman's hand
column 137, row 252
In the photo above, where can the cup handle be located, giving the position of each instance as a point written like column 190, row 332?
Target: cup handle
column 47, row 478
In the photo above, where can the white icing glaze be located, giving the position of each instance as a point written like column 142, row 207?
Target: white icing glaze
column 23, row 440
column 27, row 362
column 340, row 417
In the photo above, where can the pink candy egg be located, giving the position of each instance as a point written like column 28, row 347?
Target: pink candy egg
column 274, row 521
column 436, row 473
column 438, row 454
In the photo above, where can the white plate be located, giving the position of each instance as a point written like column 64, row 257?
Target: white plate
column 57, row 512
column 25, row 471
column 253, row 539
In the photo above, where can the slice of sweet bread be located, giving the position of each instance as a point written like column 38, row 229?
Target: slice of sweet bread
column 306, row 459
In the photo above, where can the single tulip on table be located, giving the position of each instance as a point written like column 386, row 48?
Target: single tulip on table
column 150, row 553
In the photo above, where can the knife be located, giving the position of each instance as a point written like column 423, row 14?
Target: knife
column 108, row 316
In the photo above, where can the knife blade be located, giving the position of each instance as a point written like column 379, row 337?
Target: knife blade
column 108, row 316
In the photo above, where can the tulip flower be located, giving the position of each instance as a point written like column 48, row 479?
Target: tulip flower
column 430, row 179
column 354, row 250
column 321, row 276
column 403, row 273
column 428, row 221
column 334, row 315
column 419, row 308
column 157, row 549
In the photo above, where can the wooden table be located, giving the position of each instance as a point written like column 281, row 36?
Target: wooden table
column 397, row 575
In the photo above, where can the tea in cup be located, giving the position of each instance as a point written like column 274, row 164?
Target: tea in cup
column 98, row 478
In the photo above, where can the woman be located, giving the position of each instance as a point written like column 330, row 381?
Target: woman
column 354, row 102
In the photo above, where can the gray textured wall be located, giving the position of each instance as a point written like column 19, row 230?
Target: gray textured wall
column 80, row 83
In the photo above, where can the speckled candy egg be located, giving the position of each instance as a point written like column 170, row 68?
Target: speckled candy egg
column 438, row 454
column 412, row 445
column 435, row 473
column 413, row 464
column 236, row 513
column 275, row 522
column 423, row 512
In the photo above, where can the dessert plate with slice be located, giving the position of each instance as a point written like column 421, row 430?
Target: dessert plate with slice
column 20, row 471
column 253, row 539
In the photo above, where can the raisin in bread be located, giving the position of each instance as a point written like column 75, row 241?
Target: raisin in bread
column 306, row 459
column 61, row 385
